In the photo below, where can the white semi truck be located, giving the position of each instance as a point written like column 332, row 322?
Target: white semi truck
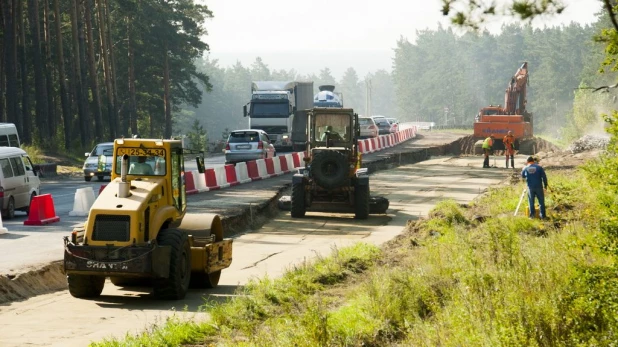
column 278, row 107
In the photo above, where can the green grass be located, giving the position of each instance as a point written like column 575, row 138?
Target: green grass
column 450, row 280
column 34, row 153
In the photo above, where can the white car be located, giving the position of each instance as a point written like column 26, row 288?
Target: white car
column 368, row 127
column 248, row 144
column 99, row 161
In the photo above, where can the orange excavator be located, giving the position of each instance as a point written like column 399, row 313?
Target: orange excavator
column 498, row 120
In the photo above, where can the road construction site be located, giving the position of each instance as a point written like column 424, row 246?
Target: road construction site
column 413, row 176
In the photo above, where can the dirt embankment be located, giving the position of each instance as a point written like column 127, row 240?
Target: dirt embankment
column 37, row 281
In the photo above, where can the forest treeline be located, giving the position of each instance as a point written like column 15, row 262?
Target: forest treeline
column 441, row 77
column 76, row 72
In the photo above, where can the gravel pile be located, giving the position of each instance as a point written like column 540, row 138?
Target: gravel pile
column 589, row 142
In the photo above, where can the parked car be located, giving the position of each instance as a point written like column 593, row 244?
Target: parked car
column 99, row 161
column 394, row 124
column 384, row 127
column 19, row 182
column 368, row 127
column 248, row 144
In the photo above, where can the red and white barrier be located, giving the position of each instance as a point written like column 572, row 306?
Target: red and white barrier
column 262, row 171
column 241, row 173
column 283, row 164
column 230, row 175
column 244, row 172
column 200, row 181
column 296, row 160
column 381, row 142
column 221, row 177
column 269, row 164
column 252, row 169
column 290, row 160
column 190, row 183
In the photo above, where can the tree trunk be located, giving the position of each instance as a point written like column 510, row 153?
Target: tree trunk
column 166, row 94
column 64, row 99
column 83, row 73
column 131, row 118
column 112, row 118
column 26, row 115
column 82, row 104
column 94, row 86
column 39, row 74
column 52, row 120
column 9, row 10
column 110, row 47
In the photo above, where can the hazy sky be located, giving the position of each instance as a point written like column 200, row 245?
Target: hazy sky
column 310, row 35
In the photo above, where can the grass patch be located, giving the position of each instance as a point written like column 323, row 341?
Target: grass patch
column 35, row 154
column 174, row 331
column 449, row 280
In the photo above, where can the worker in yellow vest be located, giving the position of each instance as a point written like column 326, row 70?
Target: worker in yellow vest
column 487, row 149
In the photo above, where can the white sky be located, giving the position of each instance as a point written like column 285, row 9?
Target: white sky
column 310, row 35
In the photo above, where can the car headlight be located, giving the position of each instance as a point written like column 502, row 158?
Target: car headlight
column 284, row 137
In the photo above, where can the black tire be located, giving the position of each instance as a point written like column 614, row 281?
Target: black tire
column 30, row 203
column 85, row 286
column 100, row 178
column 298, row 207
column 177, row 284
column 329, row 169
column 131, row 282
column 204, row 280
column 87, row 178
column 361, row 202
column 9, row 212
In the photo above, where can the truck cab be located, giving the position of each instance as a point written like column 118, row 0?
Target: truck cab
column 273, row 108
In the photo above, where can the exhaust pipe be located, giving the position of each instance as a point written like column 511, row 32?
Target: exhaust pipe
column 124, row 187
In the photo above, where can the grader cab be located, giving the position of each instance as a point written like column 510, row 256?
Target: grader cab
column 138, row 232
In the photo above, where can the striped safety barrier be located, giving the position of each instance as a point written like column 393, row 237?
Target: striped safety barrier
column 245, row 172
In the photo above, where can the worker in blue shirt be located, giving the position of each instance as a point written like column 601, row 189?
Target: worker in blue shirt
column 536, row 180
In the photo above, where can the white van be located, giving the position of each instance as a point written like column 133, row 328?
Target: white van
column 8, row 135
column 19, row 182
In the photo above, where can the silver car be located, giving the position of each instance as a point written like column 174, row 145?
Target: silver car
column 248, row 144
column 99, row 161
column 368, row 127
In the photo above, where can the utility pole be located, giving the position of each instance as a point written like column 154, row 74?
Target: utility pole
column 368, row 96
column 446, row 110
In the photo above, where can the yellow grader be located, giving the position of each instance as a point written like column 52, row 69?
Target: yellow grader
column 138, row 232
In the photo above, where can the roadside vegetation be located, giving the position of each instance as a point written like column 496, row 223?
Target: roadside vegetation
column 468, row 275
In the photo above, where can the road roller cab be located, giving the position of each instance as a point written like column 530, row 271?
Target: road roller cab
column 138, row 232
column 332, row 178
